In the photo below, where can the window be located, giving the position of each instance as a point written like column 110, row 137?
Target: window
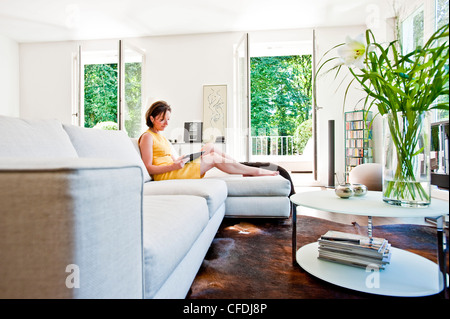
column 281, row 101
column 442, row 19
column 100, row 95
column 428, row 18
column 109, row 98
column 425, row 19
column 133, row 114
column 412, row 31
column 440, row 167
column 441, row 12
column 274, row 100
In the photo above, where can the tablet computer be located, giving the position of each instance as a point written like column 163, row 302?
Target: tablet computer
column 193, row 156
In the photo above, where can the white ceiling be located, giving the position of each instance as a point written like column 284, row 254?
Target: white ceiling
column 59, row 20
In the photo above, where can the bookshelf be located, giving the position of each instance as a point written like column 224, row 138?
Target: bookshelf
column 358, row 139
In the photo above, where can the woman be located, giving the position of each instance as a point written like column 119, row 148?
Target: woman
column 157, row 155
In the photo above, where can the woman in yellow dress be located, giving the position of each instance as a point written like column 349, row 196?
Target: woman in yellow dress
column 157, row 155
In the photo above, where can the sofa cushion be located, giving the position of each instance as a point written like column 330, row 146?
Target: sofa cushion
column 90, row 142
column 214, row 191
column 171, row 225
column 257, row 186
column 267, row 206
column 33, row 138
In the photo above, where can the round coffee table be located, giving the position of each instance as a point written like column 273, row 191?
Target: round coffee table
column 407, row 274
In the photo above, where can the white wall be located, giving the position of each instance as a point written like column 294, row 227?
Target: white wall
column 179, row 66
column 330, row 100
column 46, row 80
column 9, row 77
column 330, row 96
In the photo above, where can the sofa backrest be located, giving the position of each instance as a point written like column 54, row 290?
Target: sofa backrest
column 95, row 143
column 34, row 138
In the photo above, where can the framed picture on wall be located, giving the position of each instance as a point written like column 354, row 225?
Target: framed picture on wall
column 193, row 132
column 214, row 113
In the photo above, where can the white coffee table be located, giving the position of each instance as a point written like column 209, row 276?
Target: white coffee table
column 407, row 274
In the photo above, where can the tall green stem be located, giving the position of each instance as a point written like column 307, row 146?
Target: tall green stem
column 406, row 136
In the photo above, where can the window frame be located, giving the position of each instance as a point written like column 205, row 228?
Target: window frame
column 430, row 26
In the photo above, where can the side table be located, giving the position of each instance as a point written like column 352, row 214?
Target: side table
column 400, row 278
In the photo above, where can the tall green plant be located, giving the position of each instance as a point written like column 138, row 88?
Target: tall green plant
column 399, row 84
column 395, row 82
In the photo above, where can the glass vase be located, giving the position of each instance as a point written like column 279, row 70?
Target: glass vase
column 406, row 160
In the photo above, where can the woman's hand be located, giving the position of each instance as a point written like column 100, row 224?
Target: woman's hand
column 179, row 162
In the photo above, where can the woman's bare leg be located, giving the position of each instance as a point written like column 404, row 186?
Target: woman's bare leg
column 211, row 148
column 229, row 166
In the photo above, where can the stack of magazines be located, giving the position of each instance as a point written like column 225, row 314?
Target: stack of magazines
column 354, row 250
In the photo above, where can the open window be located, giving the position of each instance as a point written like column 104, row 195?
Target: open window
column 281, row 104
column 440, row 168
column 274, row 96
column 109, row 84
column 427, row 17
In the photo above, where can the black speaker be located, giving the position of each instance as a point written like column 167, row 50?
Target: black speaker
column 331, row 153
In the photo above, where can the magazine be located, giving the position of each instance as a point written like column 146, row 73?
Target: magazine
column 353, row 240
column 354, row 250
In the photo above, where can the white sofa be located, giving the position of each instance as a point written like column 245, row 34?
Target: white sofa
column 81, row 218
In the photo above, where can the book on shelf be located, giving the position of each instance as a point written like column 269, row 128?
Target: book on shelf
column 354, row 250
column 359, row 134
column 358, row 143
column 359, row 152
column 358, row 115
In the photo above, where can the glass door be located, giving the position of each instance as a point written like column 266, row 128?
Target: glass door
column 282, row 104
column 131, row 69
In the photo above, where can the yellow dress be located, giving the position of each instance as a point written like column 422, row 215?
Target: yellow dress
column 162, row 155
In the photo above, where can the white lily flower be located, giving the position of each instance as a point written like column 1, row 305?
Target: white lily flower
column 353, row 52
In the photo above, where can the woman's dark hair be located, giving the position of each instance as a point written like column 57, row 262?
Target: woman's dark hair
column 159, row 107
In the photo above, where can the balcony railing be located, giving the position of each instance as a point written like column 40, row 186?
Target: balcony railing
column 273, row 145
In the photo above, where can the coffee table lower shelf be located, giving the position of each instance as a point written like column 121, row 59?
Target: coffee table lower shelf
column 407, row 275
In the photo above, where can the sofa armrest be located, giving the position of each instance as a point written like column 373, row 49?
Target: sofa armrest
column 70, row 228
